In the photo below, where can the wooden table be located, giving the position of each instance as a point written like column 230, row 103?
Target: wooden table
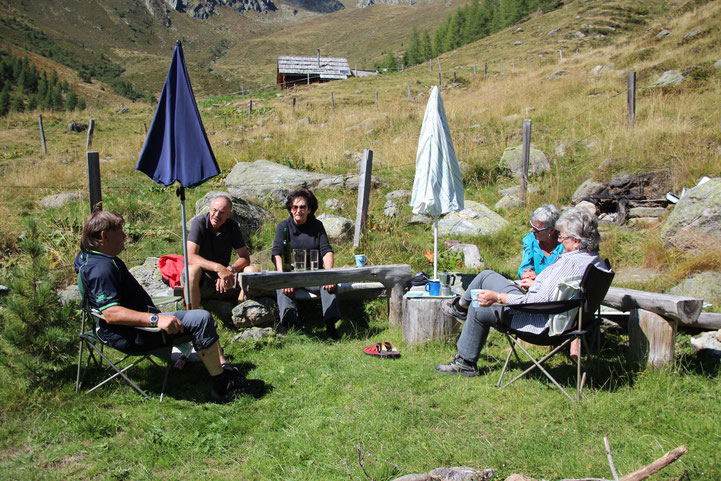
column 394, row 278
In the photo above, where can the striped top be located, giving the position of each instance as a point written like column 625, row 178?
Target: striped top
column 568, row 264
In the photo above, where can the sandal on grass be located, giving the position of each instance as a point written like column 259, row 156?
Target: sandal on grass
column 384, row 350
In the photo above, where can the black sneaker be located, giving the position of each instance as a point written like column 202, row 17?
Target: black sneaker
column 458, row 366
column 452, row 307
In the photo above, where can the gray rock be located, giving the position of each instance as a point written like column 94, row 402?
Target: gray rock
column 537, row 161
column 663, row 34
column 249, row 215
column 708, row 343
column 508, row 202
column 634, row 275
column 255, row 312
column 704, row 285
column 717, row 65
column 68, row 294
column 518, row 42
column 552, row 32
column 264, row 178
column 122, row 111
column 399, row 194
column 254, row 333
column 694, row 222
column 579, row 34
column 589, row 207
column 148, row 275
column 334, row 204
column 353, row 157
column 647, row 212
column 58, row 200
column 339, row 229
column 5, row 290
column 390, row 209
column 475, row 219
column 462, row 473
column 691, row 35
column 560, row 150
column 558, row 74
column 416, row 477
column 516, row 190
column 607, row 164
column 421, row 219
column 75, row 127
column 669, row 78
column 589, row 188
column 472, row 258
column 464, row 167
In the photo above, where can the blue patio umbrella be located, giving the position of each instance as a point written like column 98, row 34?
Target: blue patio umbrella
column 177, row 148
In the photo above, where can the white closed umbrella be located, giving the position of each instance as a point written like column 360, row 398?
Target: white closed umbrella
column 437, row 186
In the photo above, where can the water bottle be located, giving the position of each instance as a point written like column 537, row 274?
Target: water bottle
column 180, row 363
column 285, row 251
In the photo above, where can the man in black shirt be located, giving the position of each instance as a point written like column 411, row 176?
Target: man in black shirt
column 110, row 288
column 212, row 238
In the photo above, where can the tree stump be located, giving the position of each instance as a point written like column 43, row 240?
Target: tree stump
column 651, row 337
column 423, row 320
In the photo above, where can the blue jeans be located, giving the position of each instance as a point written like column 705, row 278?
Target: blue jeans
column 289, row 312
column 481, row 319
column 198, row 324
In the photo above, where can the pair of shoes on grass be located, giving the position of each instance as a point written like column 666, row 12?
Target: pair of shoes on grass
column 231, row 383
column 459, row 367
column 453, row 308
column 383, row 350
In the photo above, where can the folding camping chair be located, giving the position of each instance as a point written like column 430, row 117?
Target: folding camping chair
column 95, row 345
column 593, row 288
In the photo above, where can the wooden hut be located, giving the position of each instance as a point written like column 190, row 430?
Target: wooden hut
column 305, row 70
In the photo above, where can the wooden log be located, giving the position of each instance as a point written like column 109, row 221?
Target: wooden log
column 686, row 310
column 657, row 465
column 707, row 320
column 651, row 338
column 423, row 321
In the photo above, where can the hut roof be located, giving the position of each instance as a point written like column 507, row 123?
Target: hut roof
column 327, row 68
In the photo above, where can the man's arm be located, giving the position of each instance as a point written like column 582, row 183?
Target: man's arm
column 194, row 258
column 243, row 260
column 127, row 317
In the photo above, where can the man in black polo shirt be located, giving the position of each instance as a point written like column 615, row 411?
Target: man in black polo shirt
column 110, row 288
column 212, row 238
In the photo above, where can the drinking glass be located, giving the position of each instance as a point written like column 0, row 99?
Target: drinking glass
column 313, row 259
column 299, row 259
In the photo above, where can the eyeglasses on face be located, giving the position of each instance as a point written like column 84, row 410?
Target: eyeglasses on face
column 535, row 229
column 218, row 212
column 299, row 207
column 564, row 237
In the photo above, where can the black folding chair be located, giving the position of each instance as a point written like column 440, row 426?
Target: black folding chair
column 593, row 288
column 95, row 346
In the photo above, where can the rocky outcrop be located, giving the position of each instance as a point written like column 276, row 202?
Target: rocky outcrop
column 695, row 221
column 368, row 3
column 475, row 219
column 537, row 161
column 668, row 79
column 318, row 6
column 206, row 8
column 248, row 215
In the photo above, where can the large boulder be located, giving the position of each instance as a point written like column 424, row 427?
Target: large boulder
column 263, row 178
column 255, row 312
column 58, row 200
column 589, row 188
column 537, row 161
column 339, row 229
column 695, row 221
column 475, row 219
column 248, row 215
column 704, row 285
column 668, row 79
column 148, row 275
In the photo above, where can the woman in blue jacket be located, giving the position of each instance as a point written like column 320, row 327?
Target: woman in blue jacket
column 540, row 246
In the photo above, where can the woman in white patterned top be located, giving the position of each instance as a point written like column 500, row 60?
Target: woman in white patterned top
column 580, row 238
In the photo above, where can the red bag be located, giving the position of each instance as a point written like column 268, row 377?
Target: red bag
column 171, row 267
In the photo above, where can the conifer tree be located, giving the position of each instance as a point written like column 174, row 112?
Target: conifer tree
column 5, row 100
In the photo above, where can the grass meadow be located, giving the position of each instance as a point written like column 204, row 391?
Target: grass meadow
column 330, row 412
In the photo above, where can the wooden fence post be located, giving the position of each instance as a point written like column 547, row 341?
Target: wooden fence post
column 474, row 68
column 439, row 63
column 332, row 101
column 525, row 153
column 439, row 80
column 307, row 81
column 91, row 131
column 94, row 191
column 402, row 68
column 242, row 92
column 631, row 99
column 250, row 108
column 43, row 145
column 145, row 128
column 408, row 86
column 294, row 99
column 454, row 77
column 501, row 66
column 560, row 55
column 364, row 187
column 485, row 69
column 376, row 99
column 430, row 62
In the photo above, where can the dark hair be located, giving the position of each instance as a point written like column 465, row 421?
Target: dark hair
column 307, row 195
column 98, row 222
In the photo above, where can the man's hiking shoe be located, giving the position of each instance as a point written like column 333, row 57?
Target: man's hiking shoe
column 229, row 384
column 458, row 366
column 452, row 307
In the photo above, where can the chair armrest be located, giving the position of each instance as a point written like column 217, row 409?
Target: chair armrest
column 553, row 307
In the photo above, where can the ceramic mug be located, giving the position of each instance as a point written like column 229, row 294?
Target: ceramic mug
column 433, row 288
column 360, row 260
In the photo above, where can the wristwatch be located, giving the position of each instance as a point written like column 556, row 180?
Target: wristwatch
column 232, row 268
column 154, row 320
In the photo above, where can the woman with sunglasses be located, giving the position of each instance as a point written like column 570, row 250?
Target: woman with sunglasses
column 303, row 231
column 578, row 231
column 540, row 246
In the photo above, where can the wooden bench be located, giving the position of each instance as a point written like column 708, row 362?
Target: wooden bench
column 654, row 320
column 393, row 277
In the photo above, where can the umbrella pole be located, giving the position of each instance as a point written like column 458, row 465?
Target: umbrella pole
column 180, row 192
column 435, row 247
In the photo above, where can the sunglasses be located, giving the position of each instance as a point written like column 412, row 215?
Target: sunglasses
column 299, row 207
column 536, row 229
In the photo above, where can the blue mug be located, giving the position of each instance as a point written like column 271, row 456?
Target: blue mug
column 433, row 288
